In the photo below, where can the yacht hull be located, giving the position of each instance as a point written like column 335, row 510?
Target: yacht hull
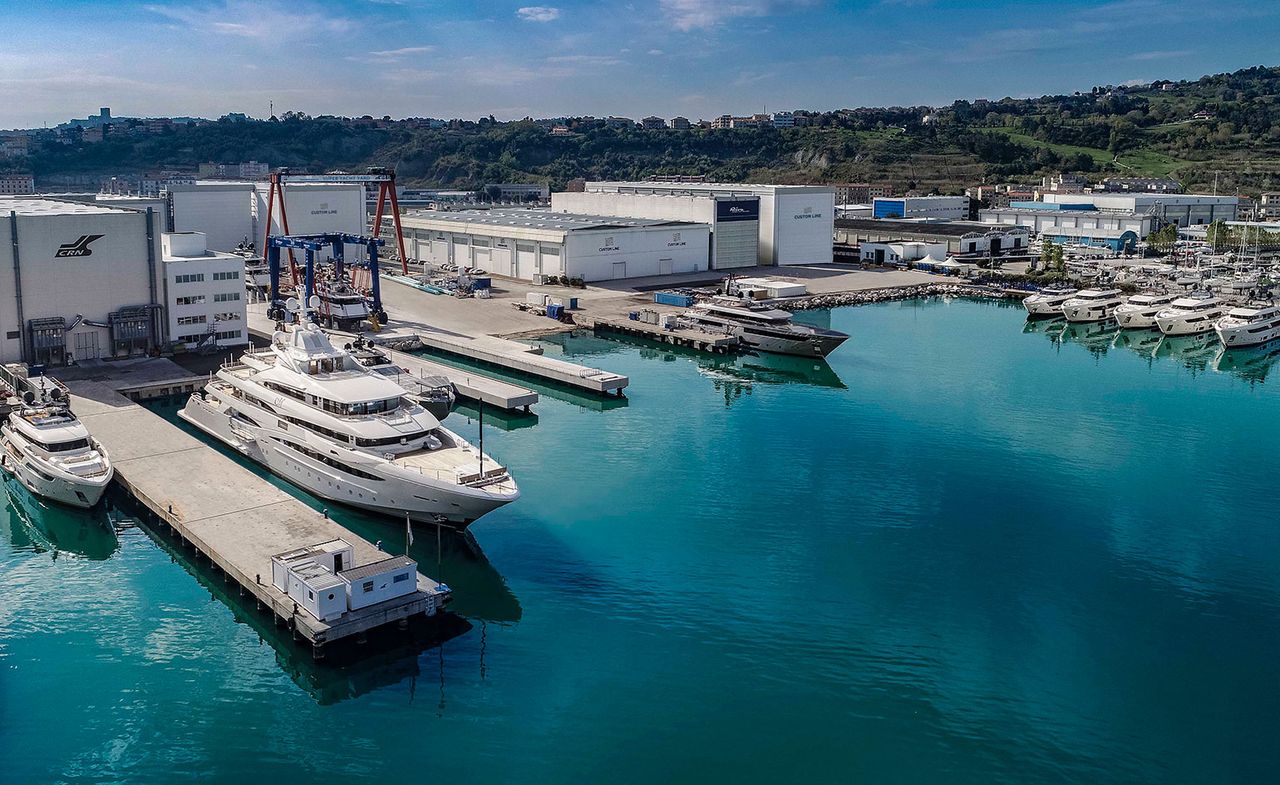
column 423, row 501
column 48, row 483
column 1234, row 336
column 1136, row 320
column 1084, row 314
column 1180, row 325
column 802, row 345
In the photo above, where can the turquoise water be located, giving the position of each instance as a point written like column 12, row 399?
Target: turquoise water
column 968, row 551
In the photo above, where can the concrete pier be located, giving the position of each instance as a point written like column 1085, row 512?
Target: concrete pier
column 234, row 518
column 690, row 339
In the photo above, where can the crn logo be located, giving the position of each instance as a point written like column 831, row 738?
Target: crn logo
column 79, row 248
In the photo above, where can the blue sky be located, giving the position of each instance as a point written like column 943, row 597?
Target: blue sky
column 697, row 58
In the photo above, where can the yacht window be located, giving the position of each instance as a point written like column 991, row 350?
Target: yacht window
column 75, row 444
column 389, row 440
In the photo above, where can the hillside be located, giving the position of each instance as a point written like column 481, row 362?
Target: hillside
column 1146, row 131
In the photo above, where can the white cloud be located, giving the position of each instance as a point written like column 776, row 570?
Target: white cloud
column 1160, row 54
column 689, row 15
column 269, row 21
column 656, row 52
column 538, row 13
column 407, row 50
column 584, row 60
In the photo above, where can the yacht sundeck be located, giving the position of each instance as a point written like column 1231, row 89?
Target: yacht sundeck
column 1139, row 311
column 435, row 393
column 1092, row 305
column 1047, row 302
column 1249, row 326
column 1190, row 315
column 763, row 328
column 51, row 452
column 315, row 416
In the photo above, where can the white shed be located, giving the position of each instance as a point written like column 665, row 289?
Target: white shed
column 380, row 581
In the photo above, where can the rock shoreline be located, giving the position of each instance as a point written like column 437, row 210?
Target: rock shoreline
column 888, row 294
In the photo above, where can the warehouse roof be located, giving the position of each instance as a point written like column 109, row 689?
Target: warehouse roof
column 42, row 205
column 539, row 219
column 935, row 228
column 694, row 187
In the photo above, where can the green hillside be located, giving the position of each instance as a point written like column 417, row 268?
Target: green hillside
column 1151, row 130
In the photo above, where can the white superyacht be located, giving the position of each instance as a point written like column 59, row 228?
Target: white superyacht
column 1249, row 326
column 1048, row 301
column 1139, row 311
column 315, row 416
column 1190, row 315
column 763, row 328
column 1092, row 305
column 51, row 452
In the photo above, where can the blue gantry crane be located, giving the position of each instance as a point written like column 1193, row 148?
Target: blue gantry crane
column 309, row 244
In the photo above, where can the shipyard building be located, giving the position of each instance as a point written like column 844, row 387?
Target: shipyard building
column 221, row 211
column 82, row 281
column 1074, row 224
column 734, row 219
column 533, row 244
column 795, row 221
column 205, row 293
column 1179, row 209
column 937, row 208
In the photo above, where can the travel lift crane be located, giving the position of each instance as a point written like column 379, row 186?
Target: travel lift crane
column 309, row 244
column 386, row 180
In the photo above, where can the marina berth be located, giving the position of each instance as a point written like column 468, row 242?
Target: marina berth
column 51, row 452
column 314, row 415
column 1048, row 302
column 1139, row 311
column 1092, row 305
column 1249, row 326
column 1190, row 315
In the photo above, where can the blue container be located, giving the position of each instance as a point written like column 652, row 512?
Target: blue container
column 481, row 283
column 633, row 316
column 555, row 311
column 671, row 298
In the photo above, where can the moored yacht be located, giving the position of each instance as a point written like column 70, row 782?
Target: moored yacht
column 315, row 416
column 1189, row 315
column 1092, row 305
column 1139, row 311
column 763, row 328
column 1249, row 326
column 1048, row 302
column 51, row 452
column 435, row 393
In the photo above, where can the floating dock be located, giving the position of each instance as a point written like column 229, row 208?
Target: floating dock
column 522, row 358
column 691, row 339
column 231, row 516
column 470, row 385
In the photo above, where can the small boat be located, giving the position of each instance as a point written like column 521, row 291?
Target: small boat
column 51, row 452
column 763, row 328
column 1249, row 326
column 1139, row 311
column 1092, row 305
column 1048, row 302
column 1190, row 315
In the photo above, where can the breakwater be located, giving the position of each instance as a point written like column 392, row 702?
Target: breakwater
column 888, row 294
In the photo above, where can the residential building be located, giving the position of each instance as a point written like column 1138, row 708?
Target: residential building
column 1163, row 185
column 17, row 184
column 653, row 123
column 619, row 122
column 783, row 120
column 680, row 123
column 204, row 293
column 1269, row 206
column 14, row 145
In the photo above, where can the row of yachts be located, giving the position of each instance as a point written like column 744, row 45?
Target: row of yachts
column 1172, row 314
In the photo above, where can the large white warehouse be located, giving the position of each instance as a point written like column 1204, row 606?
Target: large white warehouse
column 526, row 243
column 1180, row 209
column 796, row 221
column 314, row 208
column 81, row 280
column 222, row 211
column 734, row 219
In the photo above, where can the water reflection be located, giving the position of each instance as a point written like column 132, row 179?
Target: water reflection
column 1141, row 342
column 1195, row 352
column 45, row 527
column 501, row 419
column 763, row 368
column 1096, row 337
column 1251, row 364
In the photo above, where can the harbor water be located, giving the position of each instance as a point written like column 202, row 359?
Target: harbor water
column 967, row 550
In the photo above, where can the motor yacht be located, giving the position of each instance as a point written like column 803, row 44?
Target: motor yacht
column 341, row 306
column 1048, row 302
column 51, row 452
column 312, row 414
column 1139, row 311
column 1092, row 305
column 1249, row 326
column 763, row 328
column 1190, row 315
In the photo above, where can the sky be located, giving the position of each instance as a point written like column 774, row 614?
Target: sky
column 696, row 58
